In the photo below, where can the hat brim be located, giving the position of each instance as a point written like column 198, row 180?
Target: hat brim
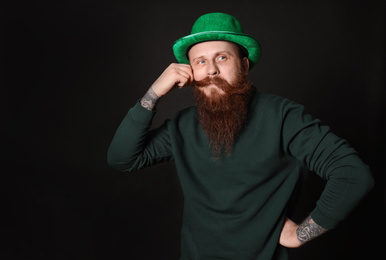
column 182, row 45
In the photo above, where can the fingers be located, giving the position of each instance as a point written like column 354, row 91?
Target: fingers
column 179, row 75
column 185, row 75
column 185, row 79
column 187, row 68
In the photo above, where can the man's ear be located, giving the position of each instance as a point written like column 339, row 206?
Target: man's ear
column 245, row 64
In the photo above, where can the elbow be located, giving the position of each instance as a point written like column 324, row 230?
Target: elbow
column 116, row 163
column 111, row 159
column 113, row 163
column 119, row 166
column 364, row 182
column 367, row 182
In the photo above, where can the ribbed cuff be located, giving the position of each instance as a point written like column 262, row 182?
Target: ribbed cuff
column 141, row 115
column 322, row 220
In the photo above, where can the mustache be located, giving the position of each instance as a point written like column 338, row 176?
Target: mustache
column 217, row 80
column 240, row 85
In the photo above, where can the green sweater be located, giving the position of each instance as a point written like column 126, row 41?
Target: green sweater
column 235, row 209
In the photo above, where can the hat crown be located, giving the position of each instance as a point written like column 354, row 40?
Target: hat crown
column 217, row 27
column 216, row 22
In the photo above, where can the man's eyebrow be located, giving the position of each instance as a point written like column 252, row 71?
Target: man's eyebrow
column 201, row 57
column 216, row 54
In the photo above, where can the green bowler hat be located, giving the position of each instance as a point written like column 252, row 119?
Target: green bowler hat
column 217, row 27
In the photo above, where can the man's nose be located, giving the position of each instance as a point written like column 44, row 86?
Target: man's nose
column 213, row 69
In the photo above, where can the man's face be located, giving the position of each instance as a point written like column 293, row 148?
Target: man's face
column 217, row 59
column 222, row 92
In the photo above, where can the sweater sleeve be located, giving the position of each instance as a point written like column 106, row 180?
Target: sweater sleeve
column 134, row 146
column 348, row 178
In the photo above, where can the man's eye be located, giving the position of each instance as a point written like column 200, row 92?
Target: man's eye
column 222, row 58
column 201, row 62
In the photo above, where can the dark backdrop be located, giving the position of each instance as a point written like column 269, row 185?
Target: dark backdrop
column 71, row 71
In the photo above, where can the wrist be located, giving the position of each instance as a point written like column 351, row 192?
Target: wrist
column 309, row 230
column 156, row 90
column 150, row 99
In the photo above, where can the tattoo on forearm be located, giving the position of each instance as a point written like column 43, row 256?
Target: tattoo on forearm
column 150, row 99
column 309, row 230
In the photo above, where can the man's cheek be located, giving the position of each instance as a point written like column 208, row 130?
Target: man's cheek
column 198, row 75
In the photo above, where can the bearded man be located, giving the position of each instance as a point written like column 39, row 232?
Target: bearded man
column 239, row 153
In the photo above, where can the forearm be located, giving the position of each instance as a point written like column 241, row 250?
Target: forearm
column 176, row 75
column 150, row 99
column 132, row 146
column 345, row 187
column 309, row 230
column 293, row 235
column 129, row 139
column 348, row 181
column 130, row 136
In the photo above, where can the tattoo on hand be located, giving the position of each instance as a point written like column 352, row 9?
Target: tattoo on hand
column 309, row 230
column 150, row 99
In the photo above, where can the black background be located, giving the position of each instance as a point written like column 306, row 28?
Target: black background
column 72, row 69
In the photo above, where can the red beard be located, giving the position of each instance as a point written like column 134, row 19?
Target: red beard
column 222, row 116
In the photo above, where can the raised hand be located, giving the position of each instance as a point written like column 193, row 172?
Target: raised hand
column 176, row 74
column 180, row 75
